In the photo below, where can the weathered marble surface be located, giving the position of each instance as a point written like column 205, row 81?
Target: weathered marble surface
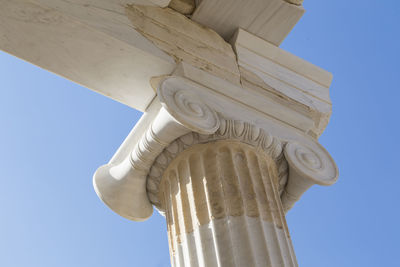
column 228, row 142
column 185, row 7
column 187, row 108
column 185, row 41
column 223, row 208
column 271, row 20
column 301, row 85
column 89, row 42
column 97, row 44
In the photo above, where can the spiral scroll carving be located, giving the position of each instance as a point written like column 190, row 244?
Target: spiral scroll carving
column 178, row 98
column 315, row 165
column 228, row 130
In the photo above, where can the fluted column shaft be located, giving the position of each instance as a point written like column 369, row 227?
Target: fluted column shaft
column 223, row 208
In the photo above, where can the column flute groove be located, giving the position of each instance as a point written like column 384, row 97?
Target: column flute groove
column 258, row 188
column 218, row 208
column 209, row 249
column 226, row 206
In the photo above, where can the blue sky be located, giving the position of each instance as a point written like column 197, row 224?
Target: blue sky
column 54, row 134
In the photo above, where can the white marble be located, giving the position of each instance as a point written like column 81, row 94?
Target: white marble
column 185, row 7
column 214, row 237
column 221, row 199
column 100, row 43
column 229, row 139
column 306, row 168
column 122, row 187
column 90, row 45
column 269, row 69
column 184, row 111
column 187, row 114
column 272, row 20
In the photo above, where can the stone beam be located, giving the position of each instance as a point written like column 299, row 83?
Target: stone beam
column 229, row 139
column 114, row 46
column 89, row 42
column 272, row 20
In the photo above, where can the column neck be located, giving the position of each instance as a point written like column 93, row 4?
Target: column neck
column 223, row 207
column 233, row 130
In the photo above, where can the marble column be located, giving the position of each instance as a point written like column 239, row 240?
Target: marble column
column 225, row 161
column 228, row 142
column 223, row 208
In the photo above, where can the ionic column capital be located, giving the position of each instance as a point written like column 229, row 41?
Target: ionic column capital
column 190, row 115
column 234, row 130
column 307, row 166
column 122, row 187
column 299, row 165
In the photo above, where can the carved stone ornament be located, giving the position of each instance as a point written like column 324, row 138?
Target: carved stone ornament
column 306, row 167
column 131, row 187
column 229, row 130
column 179, row 99
column 122, row 187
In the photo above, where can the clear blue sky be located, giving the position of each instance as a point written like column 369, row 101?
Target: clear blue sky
column 54, row 134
